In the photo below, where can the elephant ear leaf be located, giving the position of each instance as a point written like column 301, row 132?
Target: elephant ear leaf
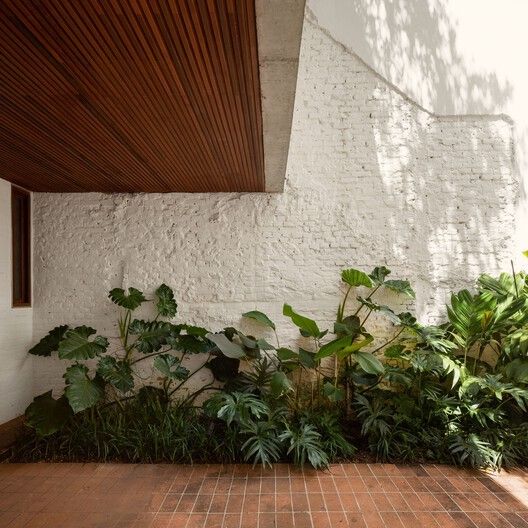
column 152, row 335
column 369, row 363
column 379, row 275
column 117, row 373
column 260, row 317
column 166, row 305
column 49, row 343
column 228, row 348
column 133, row 300
column 77, row 346
column 354, row 278
column 82, row 391
column 280, row 384
column 400, row 286
column 170, row 367
column 307, row 327
column 48, row 415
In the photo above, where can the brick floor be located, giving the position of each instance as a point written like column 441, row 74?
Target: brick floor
column 238, row 496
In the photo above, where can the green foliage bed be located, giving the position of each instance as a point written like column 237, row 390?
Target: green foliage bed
column 455, row 393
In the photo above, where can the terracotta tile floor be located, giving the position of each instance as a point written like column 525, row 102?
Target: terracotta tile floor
column 238, row 496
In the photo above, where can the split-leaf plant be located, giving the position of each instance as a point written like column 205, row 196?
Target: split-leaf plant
column 458, row 392
column 96, row 378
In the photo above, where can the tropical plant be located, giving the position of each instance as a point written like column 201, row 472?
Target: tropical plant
column 94, row 377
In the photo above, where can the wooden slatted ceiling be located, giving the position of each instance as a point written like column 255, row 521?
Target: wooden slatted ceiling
column 130, row 95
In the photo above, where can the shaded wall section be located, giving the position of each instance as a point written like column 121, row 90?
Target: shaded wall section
column 372, row 179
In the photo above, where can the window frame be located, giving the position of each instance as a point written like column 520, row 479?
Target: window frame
column 26, row 258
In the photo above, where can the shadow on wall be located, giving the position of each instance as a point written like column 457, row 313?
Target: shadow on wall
column 414, row 42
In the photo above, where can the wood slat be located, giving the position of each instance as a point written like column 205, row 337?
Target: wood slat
column 130, row 96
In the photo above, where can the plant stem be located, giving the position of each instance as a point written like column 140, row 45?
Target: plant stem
column 514, row 280
column 190, row 376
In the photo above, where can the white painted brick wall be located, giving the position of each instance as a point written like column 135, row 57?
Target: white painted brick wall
column 372, row 179
column 16, row 379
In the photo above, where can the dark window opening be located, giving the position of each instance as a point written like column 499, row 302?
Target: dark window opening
column 21, row 234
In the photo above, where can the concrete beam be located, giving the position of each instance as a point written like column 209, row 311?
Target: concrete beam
column 279, row 30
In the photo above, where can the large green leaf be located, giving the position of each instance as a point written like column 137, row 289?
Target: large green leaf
column 369, row 363
column 152, row 335
column 260, row 317
column 49, row 343
column 354, row 278
column 166, row 305
column 517, row 370
column 379, row 274
column 228, row 348
column 333, row 393
column 307, row 359
column 280, row 384
column 115, row 372
column 334, row 346
column 285, row 354
column 170, row 366
column 190, row 344
column 77, row 346
column 191, row 330
column 354, row 347
column 47, row 415
column 82, row 391
column 308, row 327
column 131, row 301
column 400, row 286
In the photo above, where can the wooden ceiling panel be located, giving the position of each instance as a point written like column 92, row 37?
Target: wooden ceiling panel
column 130, row 96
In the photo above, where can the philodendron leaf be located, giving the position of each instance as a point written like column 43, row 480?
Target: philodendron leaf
column 228, row 348
column 400, row 286
column 354, row 278
column 189, row 343
column 285, row 354
column 280, row 384
column 308, row 327
column 333, row 393
column 49, row 343
column 307, row 359
column 260, row 317
column 131, row 301
column 47, row 415
column 369, row 363
column 379, row 274
column 166, row 305
column 170, row 366
column 152, row 335
column 82, row 391
column 394, row 351
column 115, row 372
column 354, row 347
column 197, row 331
column 77, row 346
column 334, row 346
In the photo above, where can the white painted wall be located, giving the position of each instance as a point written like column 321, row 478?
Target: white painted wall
column 371, row 179
column 16, row 325
column 450, row 56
